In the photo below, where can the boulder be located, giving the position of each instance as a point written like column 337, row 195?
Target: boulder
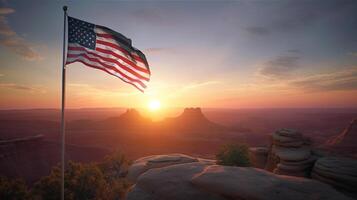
column 257, row 184
column 337, row 171
column 258, row 156
column 172, row 182
column 156, row 161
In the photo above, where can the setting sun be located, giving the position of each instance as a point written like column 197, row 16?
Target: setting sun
column 154, row 105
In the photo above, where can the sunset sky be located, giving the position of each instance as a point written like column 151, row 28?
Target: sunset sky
column 232, row 54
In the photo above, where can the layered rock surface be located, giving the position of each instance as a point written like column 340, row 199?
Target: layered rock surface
column 338, row 172
column 205, row 181
column 290, row 154
column 156, row 161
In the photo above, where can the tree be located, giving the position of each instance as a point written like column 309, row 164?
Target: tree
column 233, row 155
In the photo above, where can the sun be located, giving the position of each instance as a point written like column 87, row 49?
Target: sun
column 154, row 105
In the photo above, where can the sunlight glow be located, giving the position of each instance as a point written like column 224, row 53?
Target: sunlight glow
column 154, row 105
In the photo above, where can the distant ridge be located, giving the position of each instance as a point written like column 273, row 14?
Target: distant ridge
column 346, row 141
column 193, row 119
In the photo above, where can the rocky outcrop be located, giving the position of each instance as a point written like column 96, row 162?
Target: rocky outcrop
column 193, row 120
column 258, row 156
column 290, row 154
column 345, row 142
column 156, row 161
column 252, row 183
column 204, row 181
column 338, row 172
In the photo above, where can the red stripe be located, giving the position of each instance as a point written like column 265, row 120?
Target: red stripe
column 115, row 55
column 105, row 35
column 107, row 66
column 103, row 69
column 113, row 61
column 145, row 70
column 116, row 46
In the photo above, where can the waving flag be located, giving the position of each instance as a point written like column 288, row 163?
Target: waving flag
column 102, row 48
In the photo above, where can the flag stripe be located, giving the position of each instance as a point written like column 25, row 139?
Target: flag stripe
column 139, row 65
column 111, row 67
column 96, row 66
column 116, row 46
column 106, row 56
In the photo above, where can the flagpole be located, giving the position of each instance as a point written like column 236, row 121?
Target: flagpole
column 63, row 103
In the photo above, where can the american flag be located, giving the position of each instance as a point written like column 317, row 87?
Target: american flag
column 102, row 48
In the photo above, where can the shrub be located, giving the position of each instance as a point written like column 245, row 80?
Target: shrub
column 85, row 181
column 233, row 155
column 13, row 189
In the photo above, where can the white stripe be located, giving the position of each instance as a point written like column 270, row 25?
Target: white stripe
column 139, row 63
column 146, row 75
column 118, row 68
column 100, row 66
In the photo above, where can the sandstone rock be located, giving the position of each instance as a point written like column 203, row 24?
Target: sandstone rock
column 257, row 184
column 143, row 164
column 292, row 154
column 171, row 183
column 258, row 156
column 337, row 171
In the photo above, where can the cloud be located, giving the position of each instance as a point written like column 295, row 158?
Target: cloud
column 258, row 30
column 339, row 80
column 6, row 11
column 89, row 90
column 20, row 47
column 157, row 50
column 15, row 86
column 202, row 84
column 280, row 67
column 11, row 40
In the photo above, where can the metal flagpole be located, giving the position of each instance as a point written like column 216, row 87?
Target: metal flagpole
column 63, row 103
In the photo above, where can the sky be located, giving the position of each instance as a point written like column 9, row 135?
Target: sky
column 217, row 54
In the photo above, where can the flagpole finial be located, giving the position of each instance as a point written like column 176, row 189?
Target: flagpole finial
column 64, row 8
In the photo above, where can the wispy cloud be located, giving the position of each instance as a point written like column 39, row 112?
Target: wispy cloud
column 279, row 67
column 258, row 30
column 159, row 50
column 201, row 84
column 15, row 86
column 11, row 40
column 86, row 89
column 5, row 11
column 339, row 80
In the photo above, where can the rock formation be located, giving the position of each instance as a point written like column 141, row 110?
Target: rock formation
column 258, row 156
column 338, row 172
column 346, row 141
column 143, row 164
column 290, row 154
column 194, row 120
column 203, row 180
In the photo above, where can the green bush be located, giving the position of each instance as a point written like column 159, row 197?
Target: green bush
column 233, row 155
column 86, row 181
column 13, row 189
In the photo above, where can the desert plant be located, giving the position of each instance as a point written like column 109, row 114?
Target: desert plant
column 13, row 189
column 104, row 180
column 233, row 155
